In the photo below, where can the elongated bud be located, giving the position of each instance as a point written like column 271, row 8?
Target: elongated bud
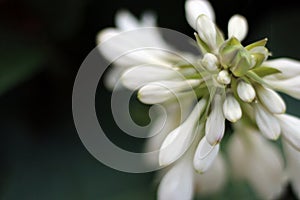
column 266, row 122
column 210, row 62
column 271, row 100
column 205, row 155
column 245, row 91
column 215, row 123
column 237, row 27
column 207, row 31
column 231, row 108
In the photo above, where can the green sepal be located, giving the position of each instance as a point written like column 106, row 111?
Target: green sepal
column 265, row 71
column 203, row 46
column 262, row 42
column 253, row 76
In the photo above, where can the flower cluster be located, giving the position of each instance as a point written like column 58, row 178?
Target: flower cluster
column 231, row 82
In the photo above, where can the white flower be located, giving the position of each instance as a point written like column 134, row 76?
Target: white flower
column 215, row 123
column 231, row 108
column 290, row 127
column 266, row 122
column 178, row 141
column 229, row 81
column 256, row 160
column 205, row 155
column 178, row 183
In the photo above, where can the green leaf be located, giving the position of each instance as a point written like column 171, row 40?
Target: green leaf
column 265, row 71
column 203, row 47
column 252, row 75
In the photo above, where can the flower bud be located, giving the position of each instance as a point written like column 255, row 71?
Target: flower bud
column 245, row 91
column 210, row 62
column 224, row 77
column 231, row 108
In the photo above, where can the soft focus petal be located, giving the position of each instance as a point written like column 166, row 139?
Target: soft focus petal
column 158, row 92
column 293, row 166
column 205, row 155
column 289, row 68
column 213, row 179
column 290, row 86
column 195, row 8
column 139, row 76
column 271, row 100
column 256, row 160
column 231, row 108
column 177, row 184
column 290, row 127
column 215, row 123
column 126, row 21
column 178, row 141
column 237, row 27
column 266, row 122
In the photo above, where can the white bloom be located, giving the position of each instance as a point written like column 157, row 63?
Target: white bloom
column 207, row 31
column 178, row 183
column 266, row 122
column 195, row 8
column 215, row 123
column 231, row 108
column 205, row 155
column 178, row 141
column 210, row 62
column 246, row 91
column 271, row 100
column 256, row 160
column 288, row 68
column 290, row 127
column 213, row 179
column 237, row 27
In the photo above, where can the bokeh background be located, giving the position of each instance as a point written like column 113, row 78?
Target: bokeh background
column 43, row 44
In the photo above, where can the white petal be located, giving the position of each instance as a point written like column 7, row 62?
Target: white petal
column 290, row 127
column 215, row 123
column 237, row 27
column 139, row 76
column 267, row 122
column 293, row 166
column 195, row 8
column 207, row 31
column 245, row 91
column 256, row 160
column 289, row 68
column 231, row 108
column 158, row 92
column 205, row 155
column 126, row 21
column 148, row 19
column 177, row 184
column 290, row 86
column 178, row 141
column 213, row 179
column 271, row 100
column 106, row 34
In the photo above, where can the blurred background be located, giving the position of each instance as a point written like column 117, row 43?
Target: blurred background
column 43, row 44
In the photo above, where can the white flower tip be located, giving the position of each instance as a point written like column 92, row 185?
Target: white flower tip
column 205, row 155
column 194, row 8
column 246, row 92
column 232, row 109
column 106, row 34
column 224, row 77
column 237, row 27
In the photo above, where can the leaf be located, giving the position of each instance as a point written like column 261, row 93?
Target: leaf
column 262, row 42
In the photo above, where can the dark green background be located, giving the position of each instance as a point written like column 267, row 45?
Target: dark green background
column 43, row 44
